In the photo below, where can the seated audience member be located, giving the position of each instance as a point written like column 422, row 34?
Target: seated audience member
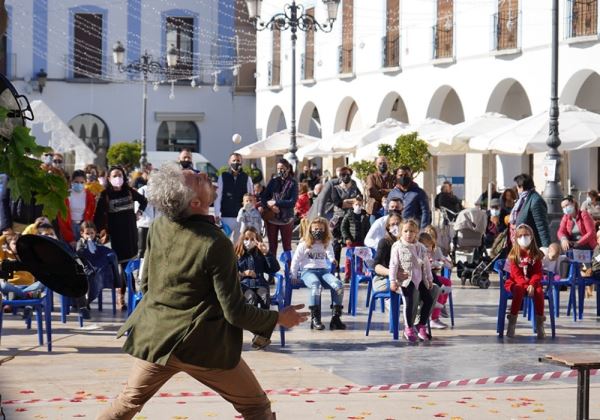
column 22, row 285
column 254, row 261
column 552, row 260
column 32, row 229
column 377, row 230
column 355, row 226
column 495, row 223
column 596, row 257
column 577, row 228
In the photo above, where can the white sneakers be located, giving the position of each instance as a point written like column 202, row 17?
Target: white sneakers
column 438, row 324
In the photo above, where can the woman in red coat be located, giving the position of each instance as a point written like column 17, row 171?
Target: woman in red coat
column 577, row 227
column 81, row 205
column 525, row 277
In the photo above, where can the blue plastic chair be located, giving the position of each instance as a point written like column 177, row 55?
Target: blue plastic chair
column 527, row 302
column 356, row 278
column 133, row 296
column 278, row 299
column 447, row 272
column 394, row 315
column 41, row 306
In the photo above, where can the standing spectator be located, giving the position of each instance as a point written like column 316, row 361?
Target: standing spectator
column 277, row 207
column 249, row 216
column 530, row 209
column 577, row 228
column 231, row 187
column 495, row 223
column 507, row 202
column 342, row 196
column 355, row 226
column 92, row 184
column 5, row 214
column 81, row 206
column 303, row 204
column 115, row 219
column 483, row 198
column 259, row 190
column 414, row 199
column 142, row 179
column 186, row 160
column 378, row 185
column 592, row 205
column 307, row 177
column 448, row 200
column 144, row 222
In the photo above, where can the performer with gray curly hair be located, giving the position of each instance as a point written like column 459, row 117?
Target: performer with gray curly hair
column 192, row 314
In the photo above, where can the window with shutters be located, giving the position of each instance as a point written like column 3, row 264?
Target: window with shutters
column 443, row 30
column 87, row 45
column 506, row 25
column 584, row 17
column 180, row 33
column 391, row 40
column 308, row 62
column 275, row 64
column 346, row 50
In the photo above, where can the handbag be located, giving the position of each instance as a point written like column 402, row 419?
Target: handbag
column 268, row 214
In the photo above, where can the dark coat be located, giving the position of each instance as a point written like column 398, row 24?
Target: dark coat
column 535, row 214
column 193, row 306
column 416, row 204
column 355, row 227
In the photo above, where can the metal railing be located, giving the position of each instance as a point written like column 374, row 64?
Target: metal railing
column 443, row 41
column 507, row 31
column 582, row 18
column 391, row 51
column 345, row 59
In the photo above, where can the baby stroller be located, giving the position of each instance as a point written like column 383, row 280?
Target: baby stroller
column 469, row 235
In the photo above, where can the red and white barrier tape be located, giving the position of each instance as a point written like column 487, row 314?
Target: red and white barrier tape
column 348, row 389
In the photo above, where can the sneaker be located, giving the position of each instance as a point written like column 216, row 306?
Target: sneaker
column 27, row 311
column 438, row 325
column 422, row 332
column 445, row 313
column 438, row 305
column 85, row 313
column 446, row 289
column 409, row 334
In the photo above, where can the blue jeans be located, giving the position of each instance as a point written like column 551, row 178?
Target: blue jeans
column 20, row 291
column 315, row 277
column 76, row 232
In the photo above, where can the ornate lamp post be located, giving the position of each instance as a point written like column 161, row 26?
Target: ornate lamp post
column 144, row 65
column 294, row 18
column 553, row 191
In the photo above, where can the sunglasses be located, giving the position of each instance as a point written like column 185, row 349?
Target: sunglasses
column 57, row 161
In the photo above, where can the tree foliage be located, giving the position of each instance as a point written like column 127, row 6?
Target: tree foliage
column 19, row 160
column 409, row 150
column 125, row 154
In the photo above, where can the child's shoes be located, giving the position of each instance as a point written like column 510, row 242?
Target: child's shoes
column 422, row 332
column 409, row 334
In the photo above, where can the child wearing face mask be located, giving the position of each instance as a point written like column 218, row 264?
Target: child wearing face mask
column 355, row 226
column 254, row 261
column 411, row 257
column 249, row 216
column 311, row 263
column 525, row 260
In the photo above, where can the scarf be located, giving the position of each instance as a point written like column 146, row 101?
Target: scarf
column 518, row 205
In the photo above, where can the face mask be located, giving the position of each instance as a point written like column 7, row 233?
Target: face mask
column 186, row 164
column 248, row 244
column 91, row 177
column 282, row 173
column 524, row 241
column 317, row 235
column 116, row 181
column 394, row 231
column 77, row 187
column 91, row 246
column 248, row 207
column 404, row 181
column 345, row 178
column 357, row 209
column 494, row 212
column 569, row 210
column 383, row 168
column 235, row 167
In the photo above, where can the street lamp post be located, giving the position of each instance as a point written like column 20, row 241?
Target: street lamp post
column 144, row 65
column 553, row 192
column 294, row 18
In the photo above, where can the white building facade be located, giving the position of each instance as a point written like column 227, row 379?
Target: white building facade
column 198, row 105
column 444, row 59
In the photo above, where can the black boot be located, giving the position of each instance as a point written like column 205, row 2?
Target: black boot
column 336, row 323
column 315, row 318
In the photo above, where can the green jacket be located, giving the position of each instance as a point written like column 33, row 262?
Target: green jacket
column 193, row 307
column 535, row 214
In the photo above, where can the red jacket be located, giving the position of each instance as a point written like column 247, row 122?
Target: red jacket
column 518, row 276
column 587, row 229
column 302, row 205
column 64, row 224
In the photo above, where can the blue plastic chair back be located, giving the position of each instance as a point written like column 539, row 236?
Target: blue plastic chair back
column 133, row 296
column 226, row 229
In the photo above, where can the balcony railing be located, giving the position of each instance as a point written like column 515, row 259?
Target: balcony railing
column 507, row 30
column 443, row 41
column 345, row 59
column 582, row 18
column 307, row 67
column 391, row 51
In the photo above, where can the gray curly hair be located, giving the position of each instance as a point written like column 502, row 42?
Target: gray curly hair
column 168, row 191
